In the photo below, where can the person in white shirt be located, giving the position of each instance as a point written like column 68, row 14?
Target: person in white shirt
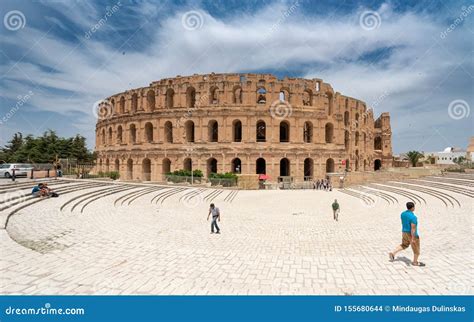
column 216, row 215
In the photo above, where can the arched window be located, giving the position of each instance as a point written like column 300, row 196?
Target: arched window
column 103, row 137
column 329, row 165
column 129, row 169
column 261, row 166
column 347, row 103
column 149, row 132
column 188, row 164
column 308, row 132
column 119, row 134
column 213, row 130
column 189, row 128
column 261, row 131
column 191, row 97
column 133, row 134
column 284, row 131
column 169, row 132
column 236, row 166
column 317, row 87
column 308, row 169
column 169, row 98
column 165, row 167
column 261, row 95
column 357, row 119
column 122, row 105
column 134, row 102
column 307, row 97
column 330, row 103
column 237, row 95
column 211, row 166
column 112, row 103
column 146, row 169
column 346, row 118
column 150, row 98
column 284, row 167
column 284, row 95
column 214, row 95
column 377, row 164
column 357, row 139
column 377, row 143
column 365, row 141
column 347, row 140
column 109, row 139
column 237, row 131
column 117, row 165
column 329, row 132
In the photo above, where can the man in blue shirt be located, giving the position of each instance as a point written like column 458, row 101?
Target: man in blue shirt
column 409, row 235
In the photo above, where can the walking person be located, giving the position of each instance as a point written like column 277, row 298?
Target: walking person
column 409, row 235
column 335, row 210
column 216, row 215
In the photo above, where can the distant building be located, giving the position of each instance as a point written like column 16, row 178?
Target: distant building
column 447, row 156
column 470, row 149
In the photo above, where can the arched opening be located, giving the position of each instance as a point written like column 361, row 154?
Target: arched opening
column 165, row 167
column 149, row 132
column 146, row 169
column 191, row 97
column 169, row 98
column 119, row 134
column 214, row 95
column 237, row 95
column 365, row 165
column 308, row 132
column 357, row 164
column 348, row 164
column 357, row 139
column 133, row 134
column 109, row 138
column 189, row 129
column 169, row 132
column 236, row 165
column 188, row 164
column 261, row 166
column 329, row 165
column 261, row 95
column 329, row 132
column 100, row 165
column 357, row 120
column 117, row 165
column 346, row 118
column 317, row 86
column 261, row 131
column 377, row 164
column 330, row 103
column 307, row 97
column 377, row 143
column 213, row 131
column 122, row 105
column 347, row 140
column 211, row 166
column 150, row 98
column 237, row 131
column 129, row 169
column 107, row 165
column 284, row 131
column 308, row 169
column 347, row 104
column 102, row 137
column 284, row 167
column 134, row 102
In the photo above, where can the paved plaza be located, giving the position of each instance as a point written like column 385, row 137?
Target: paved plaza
column 109, row 238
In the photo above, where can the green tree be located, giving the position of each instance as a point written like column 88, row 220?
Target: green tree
column 459, row 160
column 414, row 157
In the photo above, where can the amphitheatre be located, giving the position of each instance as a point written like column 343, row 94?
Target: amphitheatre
column 143, row 235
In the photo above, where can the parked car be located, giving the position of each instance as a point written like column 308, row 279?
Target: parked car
column 21, row 169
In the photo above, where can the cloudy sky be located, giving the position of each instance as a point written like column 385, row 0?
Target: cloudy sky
column 413, row 59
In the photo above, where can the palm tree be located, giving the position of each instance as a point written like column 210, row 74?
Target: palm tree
column 414, row 156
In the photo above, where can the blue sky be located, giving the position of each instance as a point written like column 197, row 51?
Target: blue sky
column 415, row 61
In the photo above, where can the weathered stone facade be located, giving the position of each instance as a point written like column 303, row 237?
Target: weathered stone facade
column 244, row 123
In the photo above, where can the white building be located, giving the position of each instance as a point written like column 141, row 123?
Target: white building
column 448, row 155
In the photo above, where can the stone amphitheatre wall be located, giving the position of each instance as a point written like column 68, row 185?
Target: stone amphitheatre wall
column 243, row 123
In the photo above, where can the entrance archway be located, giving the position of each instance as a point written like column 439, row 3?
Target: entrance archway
column 377, row 164
column 146, row 169
column 329, row 165
column 284, row 167
column 308, row 169
column 236, row 165
column 261, row 166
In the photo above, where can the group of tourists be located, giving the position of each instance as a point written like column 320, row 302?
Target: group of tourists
column 323, row 184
